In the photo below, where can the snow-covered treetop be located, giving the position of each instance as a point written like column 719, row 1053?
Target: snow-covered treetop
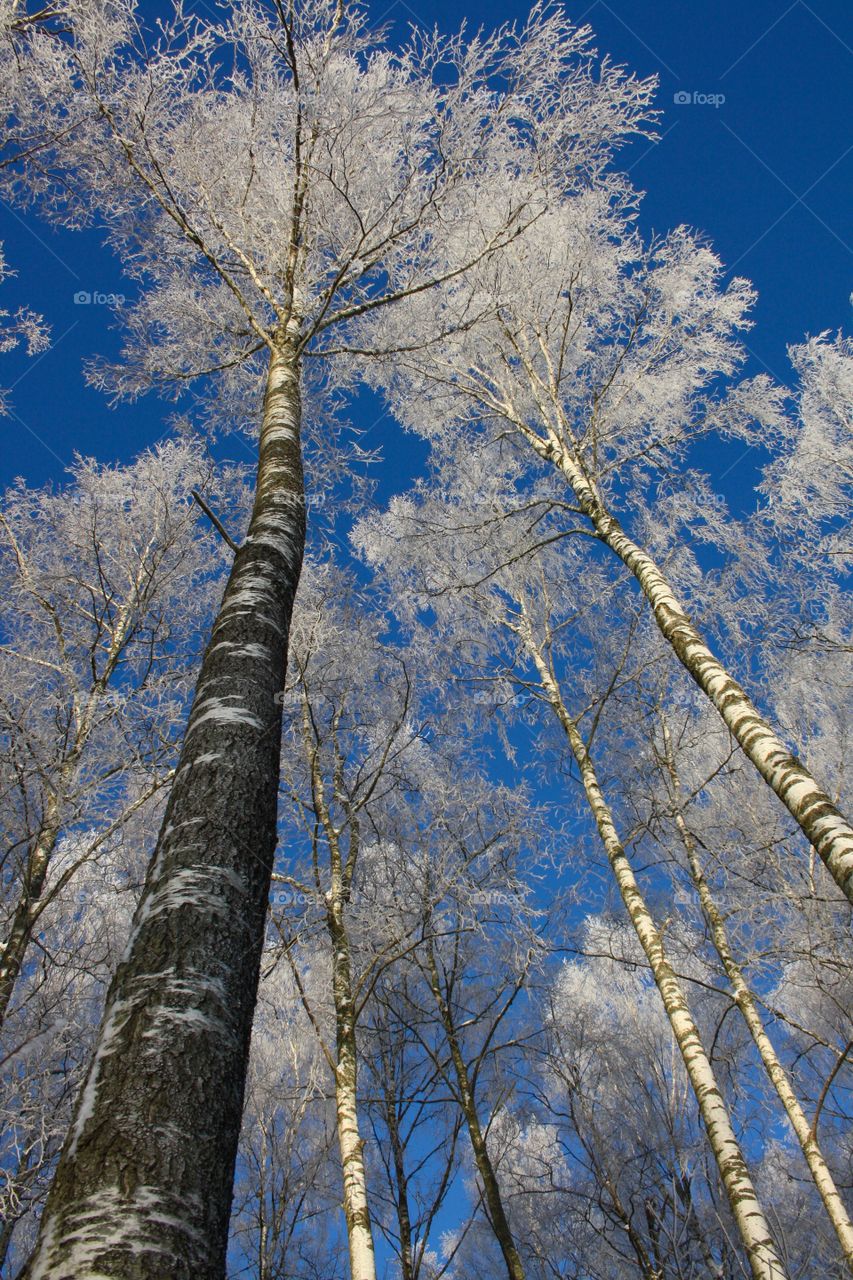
column 264, row 173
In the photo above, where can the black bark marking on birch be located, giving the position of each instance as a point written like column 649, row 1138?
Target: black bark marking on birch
column 144, row 1183
column 822, row 823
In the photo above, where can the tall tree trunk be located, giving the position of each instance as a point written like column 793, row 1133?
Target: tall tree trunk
column 491, row 1188
column 823, row 825
column 401, row 1198
column 356, row 1210
column 754, row 1231
column 748, row 1007
column 144, row 1183
column 29, row 904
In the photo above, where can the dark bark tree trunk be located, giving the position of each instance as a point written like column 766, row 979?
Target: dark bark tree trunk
column 491, row 1188
column 144, row 1184
column 28, row 908
column 401, row 1196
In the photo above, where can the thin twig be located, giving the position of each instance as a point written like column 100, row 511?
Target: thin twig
column 825, row 1090
column 217, row 523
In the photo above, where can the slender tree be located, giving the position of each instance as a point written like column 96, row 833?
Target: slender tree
column 748, row 1007
column 415, row 1130
column 352, row 730
column 106, row 584
column 746, row 1209
column 596, row 358
column 511, row 580
column 625, row 1117
column 285, row 1221
column 464, row 1076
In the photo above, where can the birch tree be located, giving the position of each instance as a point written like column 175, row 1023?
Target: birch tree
column 748, row 1007
column 518, row 584
column 374, row 768
column 351, row 731
column 479, row 943
column 745, row 1206
column 285, row 1221
column 625, row 1114
column 596, row 355
column 268, row 178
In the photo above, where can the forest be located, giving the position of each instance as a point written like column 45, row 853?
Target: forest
column 425, row 864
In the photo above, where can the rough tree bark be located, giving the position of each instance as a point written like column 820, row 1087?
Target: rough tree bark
column 144, row 1184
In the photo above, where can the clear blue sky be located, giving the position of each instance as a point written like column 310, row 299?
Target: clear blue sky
column 766, row 174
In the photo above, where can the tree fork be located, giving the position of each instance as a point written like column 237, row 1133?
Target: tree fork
column 144, row 1182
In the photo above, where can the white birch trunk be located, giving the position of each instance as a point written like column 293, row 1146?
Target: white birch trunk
column 754, row 1231
column 356, row 1208
column 746, row 1003
column 823, row 825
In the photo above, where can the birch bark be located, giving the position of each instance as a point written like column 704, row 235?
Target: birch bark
column 356, row 1210
column 344, row 1063
column 764, row 1261
column 143, row 1186
column 826, row 829
column 748, row 1007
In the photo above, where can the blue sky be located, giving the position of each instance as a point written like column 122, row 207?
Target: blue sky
column 766, row 173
